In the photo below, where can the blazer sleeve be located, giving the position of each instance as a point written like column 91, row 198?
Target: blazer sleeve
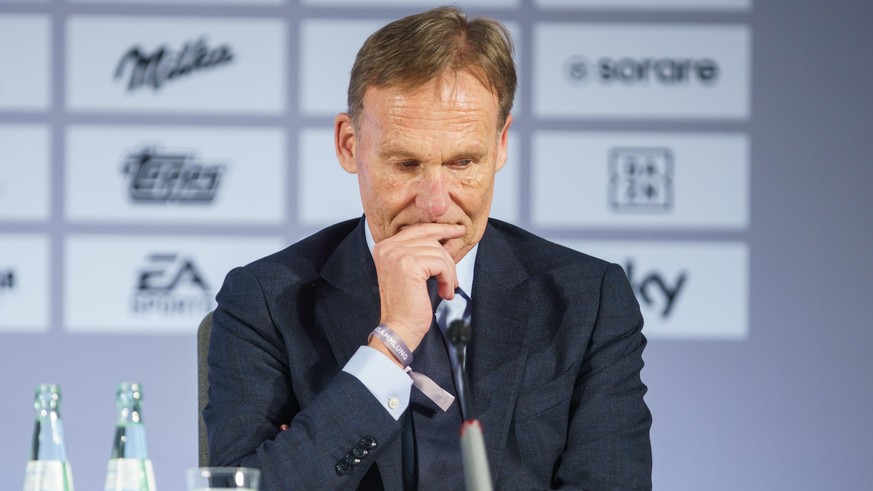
column 608, row 445
column 251, row 394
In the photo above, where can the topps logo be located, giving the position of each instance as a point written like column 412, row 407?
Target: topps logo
column 161, row 176
column 163, row 65
column 633, row 71
column 171, row 284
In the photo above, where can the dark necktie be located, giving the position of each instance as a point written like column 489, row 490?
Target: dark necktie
column 431, row 448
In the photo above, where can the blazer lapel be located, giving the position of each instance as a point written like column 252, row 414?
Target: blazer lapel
column 498, row 347
column 347, row 301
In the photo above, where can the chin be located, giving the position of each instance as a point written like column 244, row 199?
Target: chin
column 454, row 249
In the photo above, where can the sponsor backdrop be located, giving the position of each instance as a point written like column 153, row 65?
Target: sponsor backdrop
column 717, row 150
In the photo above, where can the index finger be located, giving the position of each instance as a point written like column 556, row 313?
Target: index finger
column 436, row 231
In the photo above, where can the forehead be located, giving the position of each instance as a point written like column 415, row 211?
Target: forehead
column 455, row 101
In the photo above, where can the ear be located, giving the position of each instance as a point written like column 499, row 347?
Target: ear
column 344, row 141
column 501, row 144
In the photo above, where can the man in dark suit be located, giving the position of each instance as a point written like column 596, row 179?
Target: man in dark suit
column 315, row 349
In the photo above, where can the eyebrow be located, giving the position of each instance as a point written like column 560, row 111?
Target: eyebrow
column 475, row 152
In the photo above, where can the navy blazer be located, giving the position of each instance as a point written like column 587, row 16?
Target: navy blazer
column 554, row 365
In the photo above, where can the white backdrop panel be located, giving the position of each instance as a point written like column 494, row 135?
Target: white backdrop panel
column 242, row 64
column 325, row 192
column 661, row 71
column 247, row 166
column 697, row 180
column 24, row 283
column 324, row 86
column 686, row 289
column 25, row 76
column 24, row 172
column 150, row 284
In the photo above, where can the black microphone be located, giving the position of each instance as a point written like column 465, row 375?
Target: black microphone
column 459, row 335
column 477, row 475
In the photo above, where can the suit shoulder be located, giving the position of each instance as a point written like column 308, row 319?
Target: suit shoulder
column 305, row 258
column 551, row 263
column 541, row 255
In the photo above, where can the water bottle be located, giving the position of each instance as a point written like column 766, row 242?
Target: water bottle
column 129, row 466
column 48, row 469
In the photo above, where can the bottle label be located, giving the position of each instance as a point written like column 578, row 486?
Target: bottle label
column 48, row 475
column 130, row 475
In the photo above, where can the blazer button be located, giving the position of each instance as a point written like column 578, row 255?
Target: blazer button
column 360, row 452
column 343, row 468
column 368, row 442
column 351, row 460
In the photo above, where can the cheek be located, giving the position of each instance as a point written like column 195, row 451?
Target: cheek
column 474, row 195
column 386, row 196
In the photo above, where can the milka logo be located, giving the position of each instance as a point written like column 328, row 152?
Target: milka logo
column 163, row 65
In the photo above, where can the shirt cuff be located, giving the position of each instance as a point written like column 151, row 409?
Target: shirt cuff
column 383, row 378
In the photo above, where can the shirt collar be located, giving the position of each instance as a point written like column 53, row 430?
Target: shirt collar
column 464, row 268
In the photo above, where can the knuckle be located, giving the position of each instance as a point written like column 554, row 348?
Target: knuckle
column 406, row 261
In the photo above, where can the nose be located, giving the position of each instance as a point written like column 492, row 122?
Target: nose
column 433, row 193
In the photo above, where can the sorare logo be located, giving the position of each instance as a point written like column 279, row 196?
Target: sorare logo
column 156, row 68
column 160, row 176
column 630, row 71
column 171, row 284
column 641, row 179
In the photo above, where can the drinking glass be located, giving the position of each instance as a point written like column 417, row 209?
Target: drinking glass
column 223, row 478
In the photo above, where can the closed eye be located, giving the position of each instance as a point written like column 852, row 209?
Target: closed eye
column 462, row 163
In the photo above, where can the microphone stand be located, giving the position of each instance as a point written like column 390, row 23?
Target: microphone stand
column 477, row 475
